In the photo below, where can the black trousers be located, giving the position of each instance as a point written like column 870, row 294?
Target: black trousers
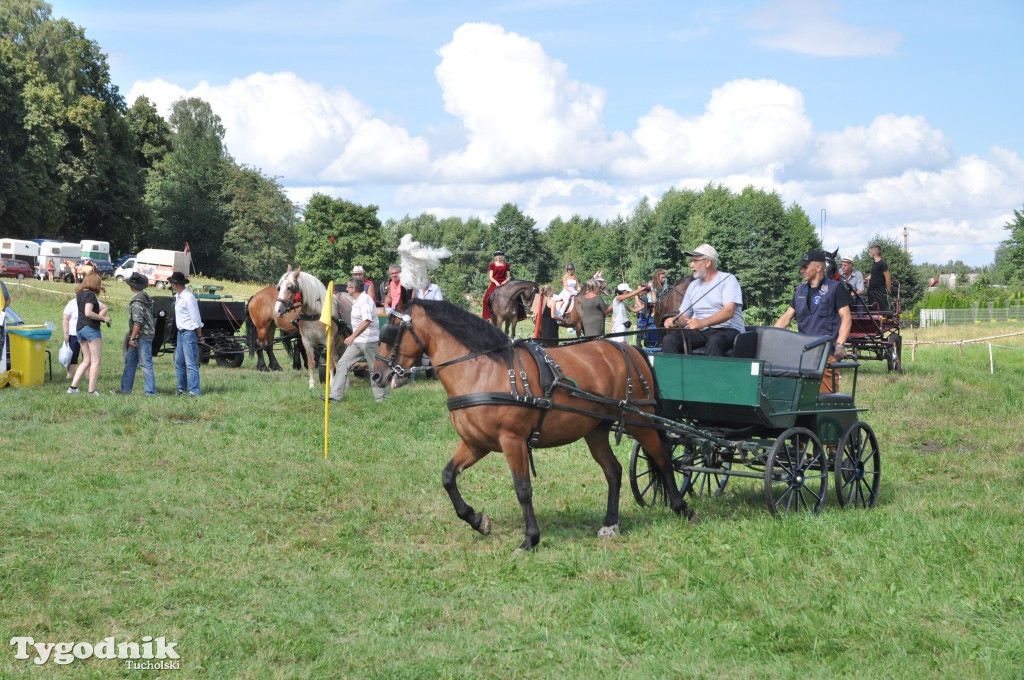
column 717, row 341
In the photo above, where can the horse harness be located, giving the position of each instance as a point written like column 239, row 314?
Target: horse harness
column 551, row 378
column 297, row 302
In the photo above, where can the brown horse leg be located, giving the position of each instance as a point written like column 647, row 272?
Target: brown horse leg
column 518, row 458
column 602, row 452
column 463, row 458
column 657, row 448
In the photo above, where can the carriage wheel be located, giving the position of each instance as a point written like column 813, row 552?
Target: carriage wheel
column 894, row 353
column 705, row 483
column 231, row 357
column 204, row 354
column 796, row 473
column 858, row 467
column 645, row 479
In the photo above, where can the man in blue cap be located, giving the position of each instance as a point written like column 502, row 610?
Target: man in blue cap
column 821, row 307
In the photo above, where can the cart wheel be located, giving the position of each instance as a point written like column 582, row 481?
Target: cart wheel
column 894, row 353
column 231, row 359
column 705, row 483
column 796, row 473
column 645, row 478
column 858, row 467
column 204, row 354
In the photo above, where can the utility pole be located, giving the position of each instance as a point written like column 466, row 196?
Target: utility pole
column 906, row 244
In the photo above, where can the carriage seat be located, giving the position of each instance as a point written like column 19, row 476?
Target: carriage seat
column 783, row 351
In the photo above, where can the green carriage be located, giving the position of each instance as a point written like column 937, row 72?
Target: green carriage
column 759, row 414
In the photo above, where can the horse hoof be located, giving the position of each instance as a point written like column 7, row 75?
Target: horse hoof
column 485, row 525
column 691, row 516
column 608, row 532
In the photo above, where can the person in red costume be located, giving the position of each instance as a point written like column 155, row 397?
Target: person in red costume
column 498, row 272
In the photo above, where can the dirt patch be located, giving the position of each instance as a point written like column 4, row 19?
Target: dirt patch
column 932, row 447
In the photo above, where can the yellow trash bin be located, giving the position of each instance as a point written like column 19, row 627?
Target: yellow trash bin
column 28, row 352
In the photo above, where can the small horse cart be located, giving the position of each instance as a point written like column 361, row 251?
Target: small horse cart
column 759, row 415
column 875, row 333
column 222, row 318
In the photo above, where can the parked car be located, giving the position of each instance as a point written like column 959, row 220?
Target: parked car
column 18, row 269
column 121, row 260
column 104, row 268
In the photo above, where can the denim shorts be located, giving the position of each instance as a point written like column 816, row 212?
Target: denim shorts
column 88, row 334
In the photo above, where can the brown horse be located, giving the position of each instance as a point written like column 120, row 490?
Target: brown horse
column 595, row 384
column 509, row 303
column 259, row 328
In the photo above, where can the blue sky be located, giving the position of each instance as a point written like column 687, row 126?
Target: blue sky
column 883, row 114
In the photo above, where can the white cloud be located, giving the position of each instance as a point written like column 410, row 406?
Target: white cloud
column 890, row 144
column 808, row 27
column 748, row 125
column 522, row 112
column 299, row 130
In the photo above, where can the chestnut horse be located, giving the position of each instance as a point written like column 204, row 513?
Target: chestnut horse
column 509, row 302
column 259, row 329
column 299, row 290
column 588, row 388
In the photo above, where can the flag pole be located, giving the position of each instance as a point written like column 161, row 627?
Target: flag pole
column 325, row 318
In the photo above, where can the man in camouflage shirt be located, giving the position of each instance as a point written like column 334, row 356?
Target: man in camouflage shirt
column 140, row 339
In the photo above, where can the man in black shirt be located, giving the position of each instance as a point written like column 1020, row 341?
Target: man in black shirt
column 879, row 281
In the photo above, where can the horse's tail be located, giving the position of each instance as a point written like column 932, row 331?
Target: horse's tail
column 251, row 332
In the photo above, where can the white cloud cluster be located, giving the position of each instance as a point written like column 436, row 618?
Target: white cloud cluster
column 535, row 136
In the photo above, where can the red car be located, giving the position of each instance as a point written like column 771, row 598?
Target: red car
column 17, row 269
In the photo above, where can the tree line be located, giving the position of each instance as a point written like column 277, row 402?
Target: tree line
column 77, row 162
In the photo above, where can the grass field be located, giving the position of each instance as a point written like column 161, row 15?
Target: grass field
column 217, row 524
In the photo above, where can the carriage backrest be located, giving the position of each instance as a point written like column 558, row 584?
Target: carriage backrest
column 783, row 352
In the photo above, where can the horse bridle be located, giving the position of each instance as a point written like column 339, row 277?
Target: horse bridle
column 294, row 303
column 404, row 325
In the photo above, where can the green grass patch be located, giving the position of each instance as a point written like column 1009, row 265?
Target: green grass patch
column 217, row 524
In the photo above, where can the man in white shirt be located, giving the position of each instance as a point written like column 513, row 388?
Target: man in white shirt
column 711, row 313
column 190, row 335
column 363, row 343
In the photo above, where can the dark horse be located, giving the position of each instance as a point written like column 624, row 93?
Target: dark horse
column 585, row 390
column 259, row 329
column 509, row 302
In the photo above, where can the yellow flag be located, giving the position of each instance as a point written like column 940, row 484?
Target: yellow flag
column 325, row 313
column 325, row 319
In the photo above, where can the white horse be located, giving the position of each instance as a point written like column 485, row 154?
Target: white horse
column 300, row 290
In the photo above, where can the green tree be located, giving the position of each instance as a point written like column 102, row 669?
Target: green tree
column 66, row 168
column 1011, row 254
column 517, row 235
column 335, row 235
column 187, row 190
column 260, row 243
column 151, row 132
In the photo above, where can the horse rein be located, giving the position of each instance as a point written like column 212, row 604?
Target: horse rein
column 392, row 361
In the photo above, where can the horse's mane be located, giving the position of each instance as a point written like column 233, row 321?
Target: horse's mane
column 313, row 291
column 472, row 331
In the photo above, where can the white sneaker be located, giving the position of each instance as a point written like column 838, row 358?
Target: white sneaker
column 94, row 393
column 72, row 390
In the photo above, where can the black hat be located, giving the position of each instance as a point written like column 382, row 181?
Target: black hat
column 499, row 252
column 178, row 279
column 570, row 266
column 137, row 281
column 812, row 256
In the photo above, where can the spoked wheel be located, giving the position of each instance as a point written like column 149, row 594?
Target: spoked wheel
column 894, row 353
column 858, row 467
column 205, row 352
column 796, row 473
column 645, row 479
column 706, row 483
column 230, row 356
